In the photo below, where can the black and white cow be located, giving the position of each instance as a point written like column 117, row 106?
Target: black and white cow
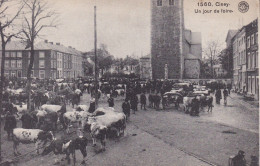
column 27, row 136
column 68, row 147
column 97, row 132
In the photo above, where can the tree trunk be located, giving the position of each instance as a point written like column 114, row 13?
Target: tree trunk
column 2, row 76
column 29, row 79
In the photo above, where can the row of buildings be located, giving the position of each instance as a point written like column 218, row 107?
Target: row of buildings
column 243, row 44
column 50, row 60
column 53, row 60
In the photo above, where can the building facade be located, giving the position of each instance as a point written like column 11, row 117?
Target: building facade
column 15, row 51
column 170, row 42
column 50, row 61
column 239, row 60
column 145, row 67
column 252, row 58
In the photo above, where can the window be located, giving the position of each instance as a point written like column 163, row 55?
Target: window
column 253, row 60
column 41, row 54
column 6, row 63
column 248, row 61
column 171, row 2
column 42, row 74
column 249, row 85
column 54, row 64
column 159, row 2
column 13, row 54
column 13, row 73
column 19, row 54
column 41, row 63
column 256, row 59
column 19, row 63
column 252, row 40
column 256, row 37
column 7, row 54
column 248, row 42
column 253, row 85
column 13, row 63
column 19, row 73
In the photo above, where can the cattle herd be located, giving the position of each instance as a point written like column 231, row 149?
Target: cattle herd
column 50, row 113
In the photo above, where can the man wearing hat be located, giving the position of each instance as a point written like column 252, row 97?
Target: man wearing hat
column 110, row 101
column 10, row 124
column 92, row 106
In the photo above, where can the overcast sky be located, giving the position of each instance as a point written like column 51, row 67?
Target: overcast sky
column 124, row 25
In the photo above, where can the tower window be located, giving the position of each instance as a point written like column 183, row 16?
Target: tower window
column 171, row 2
column 159, row 2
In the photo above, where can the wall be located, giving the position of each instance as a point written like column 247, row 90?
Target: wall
column 165, row 39
column 192, row 68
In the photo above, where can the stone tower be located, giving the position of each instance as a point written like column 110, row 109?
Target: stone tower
column 167, row 38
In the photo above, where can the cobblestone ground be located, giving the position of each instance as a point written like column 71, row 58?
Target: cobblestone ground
column 168, row 137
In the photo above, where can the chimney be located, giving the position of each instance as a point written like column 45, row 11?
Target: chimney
column 45, row 41
column 58, row 44
column 51, row 43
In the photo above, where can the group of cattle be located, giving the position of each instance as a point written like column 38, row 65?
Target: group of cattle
column 178, row 96
column 103, row 123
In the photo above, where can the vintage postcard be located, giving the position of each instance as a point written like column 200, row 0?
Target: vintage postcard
column 129, row 82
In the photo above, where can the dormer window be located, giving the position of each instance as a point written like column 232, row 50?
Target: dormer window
column 171, row 2
column 159, row 2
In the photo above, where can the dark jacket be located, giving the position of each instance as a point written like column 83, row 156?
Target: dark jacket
column 143, row 99
column 92, row 107
column 126, row 106
column 110, row 102
column 10, row 122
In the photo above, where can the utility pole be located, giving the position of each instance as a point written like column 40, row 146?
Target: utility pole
column 95, row 45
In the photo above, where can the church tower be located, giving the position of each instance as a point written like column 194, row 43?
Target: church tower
column 167, row 38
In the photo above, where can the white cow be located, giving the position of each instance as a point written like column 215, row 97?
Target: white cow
column 98, row 132
column 50, row 107
column 76, row 117
column 21, row 107
column 26, row 136
column 187, row 103
column 110, row 118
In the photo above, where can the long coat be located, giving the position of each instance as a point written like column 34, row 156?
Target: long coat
column 10, row 123
column 143, row 99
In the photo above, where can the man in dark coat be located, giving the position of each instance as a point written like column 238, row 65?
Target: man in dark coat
column 143, row 101
column 134, row 102
column 218, row 96
column 126, row 109
column 10, row 124
column 110, row 101
column 151, row 100
column 27, row 121
column 61, row 112
column 195, row 106
column 92, row 106
column 225, row 94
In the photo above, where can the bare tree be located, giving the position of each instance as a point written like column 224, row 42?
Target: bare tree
column 7, row 31
column 212, row 52
column 7, row 21
column 37, row 16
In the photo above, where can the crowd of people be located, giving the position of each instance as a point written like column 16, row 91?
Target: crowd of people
column 151, row 91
